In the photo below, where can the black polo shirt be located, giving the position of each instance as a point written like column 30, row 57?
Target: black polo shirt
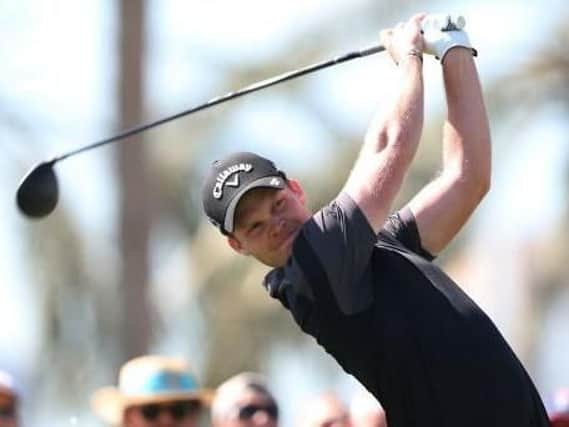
column 400, row 325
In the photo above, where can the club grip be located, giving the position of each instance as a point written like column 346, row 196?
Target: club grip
column 444, row 22
column 372, row 50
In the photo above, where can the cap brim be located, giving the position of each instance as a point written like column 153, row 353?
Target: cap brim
column 109, row 403
column 277, row 182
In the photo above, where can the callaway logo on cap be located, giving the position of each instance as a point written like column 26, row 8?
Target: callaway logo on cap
column 229, row 179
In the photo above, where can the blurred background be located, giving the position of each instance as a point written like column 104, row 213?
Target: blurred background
column 127, row 264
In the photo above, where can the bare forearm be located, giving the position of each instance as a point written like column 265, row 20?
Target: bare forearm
column 446, row 203
column 389, row 148
column 390, row 144
column 408, row 116
column 466, row 143
column 404, row 122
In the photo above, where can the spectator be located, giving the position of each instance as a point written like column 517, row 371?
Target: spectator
column 244, row 401
column 559, row 411
column 152, row 391
column 9, row 401
column 325, row 410
column 366, row 411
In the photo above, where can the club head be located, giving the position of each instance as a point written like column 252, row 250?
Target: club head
column 38, row 192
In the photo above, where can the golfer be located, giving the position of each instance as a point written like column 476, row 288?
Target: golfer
column 362, row 282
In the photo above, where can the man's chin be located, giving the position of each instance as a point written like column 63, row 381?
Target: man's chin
column 279, row 258
column 273, row 262
column 280, row 261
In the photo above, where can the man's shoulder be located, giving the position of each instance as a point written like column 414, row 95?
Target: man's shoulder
column 400, row 230
column 341, row 205
column 288, row 281
column 339, row 222
column 276, row 281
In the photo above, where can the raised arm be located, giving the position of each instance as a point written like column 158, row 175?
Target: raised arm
column 391, row 142
column 444, row 205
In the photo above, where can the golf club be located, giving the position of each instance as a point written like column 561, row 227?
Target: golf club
column 38, row 192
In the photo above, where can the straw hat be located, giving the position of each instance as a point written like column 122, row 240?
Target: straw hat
column 148, row 379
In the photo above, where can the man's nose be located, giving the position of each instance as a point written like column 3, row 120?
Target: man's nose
column 261, row 418
column 165, row 419
column 277, row 226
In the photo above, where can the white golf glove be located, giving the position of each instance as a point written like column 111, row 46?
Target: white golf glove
column 444, row 32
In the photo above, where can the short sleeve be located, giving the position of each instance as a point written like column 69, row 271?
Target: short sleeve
column 343, row 241
column 403, row 227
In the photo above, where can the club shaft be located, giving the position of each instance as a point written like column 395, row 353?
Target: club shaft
column 231, row 95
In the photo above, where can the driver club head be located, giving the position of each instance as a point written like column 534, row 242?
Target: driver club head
column 38, row 192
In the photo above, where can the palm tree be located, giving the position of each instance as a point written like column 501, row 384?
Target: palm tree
column 135, row 184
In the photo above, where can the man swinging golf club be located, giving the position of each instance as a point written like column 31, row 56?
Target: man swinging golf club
column 362, row 281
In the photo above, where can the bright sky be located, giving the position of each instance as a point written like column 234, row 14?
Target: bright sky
column 58, row 69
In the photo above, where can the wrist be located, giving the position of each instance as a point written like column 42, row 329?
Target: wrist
column 458, row 54
column 413, row 55
column 416, row 53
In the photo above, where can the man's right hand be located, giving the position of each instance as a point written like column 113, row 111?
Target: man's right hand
column 404, row 39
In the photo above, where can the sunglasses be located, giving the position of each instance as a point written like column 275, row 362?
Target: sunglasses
column 177, row 410
column 246, row 412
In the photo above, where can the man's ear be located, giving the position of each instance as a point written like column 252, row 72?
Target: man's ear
column 236, row 245
column 297, row 189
